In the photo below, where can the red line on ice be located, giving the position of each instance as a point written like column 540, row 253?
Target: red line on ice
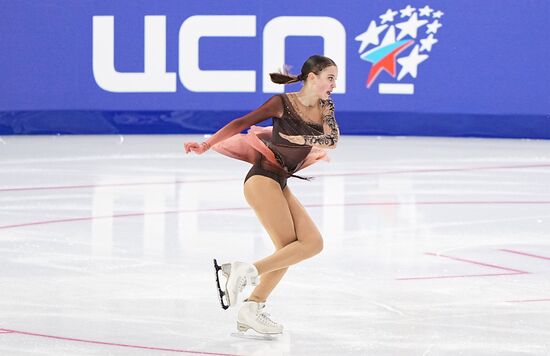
column 509, row 270
column 410, row 171
column 168, row 212
column 85, row 186
column 528, row 300
column 476, row 262
column 114, row 343
column 525, row 254
column 458, row 276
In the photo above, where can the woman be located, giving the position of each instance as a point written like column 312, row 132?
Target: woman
column 303, row 124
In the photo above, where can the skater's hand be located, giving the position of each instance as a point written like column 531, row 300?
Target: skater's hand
column 198, row 148
column 294, row 139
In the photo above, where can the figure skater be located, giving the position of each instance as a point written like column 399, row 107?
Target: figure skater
column 303, row 126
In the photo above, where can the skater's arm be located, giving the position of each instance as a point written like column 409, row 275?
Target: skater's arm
column 331, row 132
column 271, row 108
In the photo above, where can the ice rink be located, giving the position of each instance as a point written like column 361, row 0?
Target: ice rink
column 433, row 246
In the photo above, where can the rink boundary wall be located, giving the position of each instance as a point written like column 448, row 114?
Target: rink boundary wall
column 71, row 122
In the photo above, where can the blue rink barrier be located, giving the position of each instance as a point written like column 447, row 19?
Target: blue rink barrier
column 429, row 68
column 199, row 122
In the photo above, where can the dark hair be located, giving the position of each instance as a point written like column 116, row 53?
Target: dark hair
column 314, row 64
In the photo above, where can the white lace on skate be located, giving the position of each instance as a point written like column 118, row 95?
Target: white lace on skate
column 239, row 275
column 263, row 317
column 242, row 283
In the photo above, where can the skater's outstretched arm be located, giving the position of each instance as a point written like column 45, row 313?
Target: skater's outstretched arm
column 271, row 108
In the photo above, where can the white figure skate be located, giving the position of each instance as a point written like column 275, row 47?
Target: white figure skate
column 252, row 315
column 238, row 275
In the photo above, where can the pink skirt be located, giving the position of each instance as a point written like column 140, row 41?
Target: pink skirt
column 246, row 147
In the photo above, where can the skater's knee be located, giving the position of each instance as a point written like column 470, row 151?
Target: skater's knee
column 318, row 246
column 314, row 246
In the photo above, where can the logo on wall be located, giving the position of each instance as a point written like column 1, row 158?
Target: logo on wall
column 408, row 36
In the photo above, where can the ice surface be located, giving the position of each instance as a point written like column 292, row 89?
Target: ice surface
column 433, row 246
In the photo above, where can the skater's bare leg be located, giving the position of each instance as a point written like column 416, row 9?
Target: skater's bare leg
column 309, row 241
column 267, row 200
column 267, row 283
column 288, row 225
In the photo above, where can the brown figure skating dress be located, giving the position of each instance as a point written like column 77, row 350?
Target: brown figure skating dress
column 274, row 156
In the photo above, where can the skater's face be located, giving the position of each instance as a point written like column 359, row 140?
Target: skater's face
column 324, row 83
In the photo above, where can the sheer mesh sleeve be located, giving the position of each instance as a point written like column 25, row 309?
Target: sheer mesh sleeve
column 271, row 108
column 330, row 128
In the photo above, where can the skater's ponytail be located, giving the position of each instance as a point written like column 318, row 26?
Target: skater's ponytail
column 314, row 64
column 285, row 78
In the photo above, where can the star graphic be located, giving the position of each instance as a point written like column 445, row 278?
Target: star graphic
column 410, row 27
column 427, row 43
column 384, row 58
column 370, row 36
column 388, row 16
column 410, row 63
column 408, row 11
column 426, row 11
column 438, row 14
column 433, row 27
